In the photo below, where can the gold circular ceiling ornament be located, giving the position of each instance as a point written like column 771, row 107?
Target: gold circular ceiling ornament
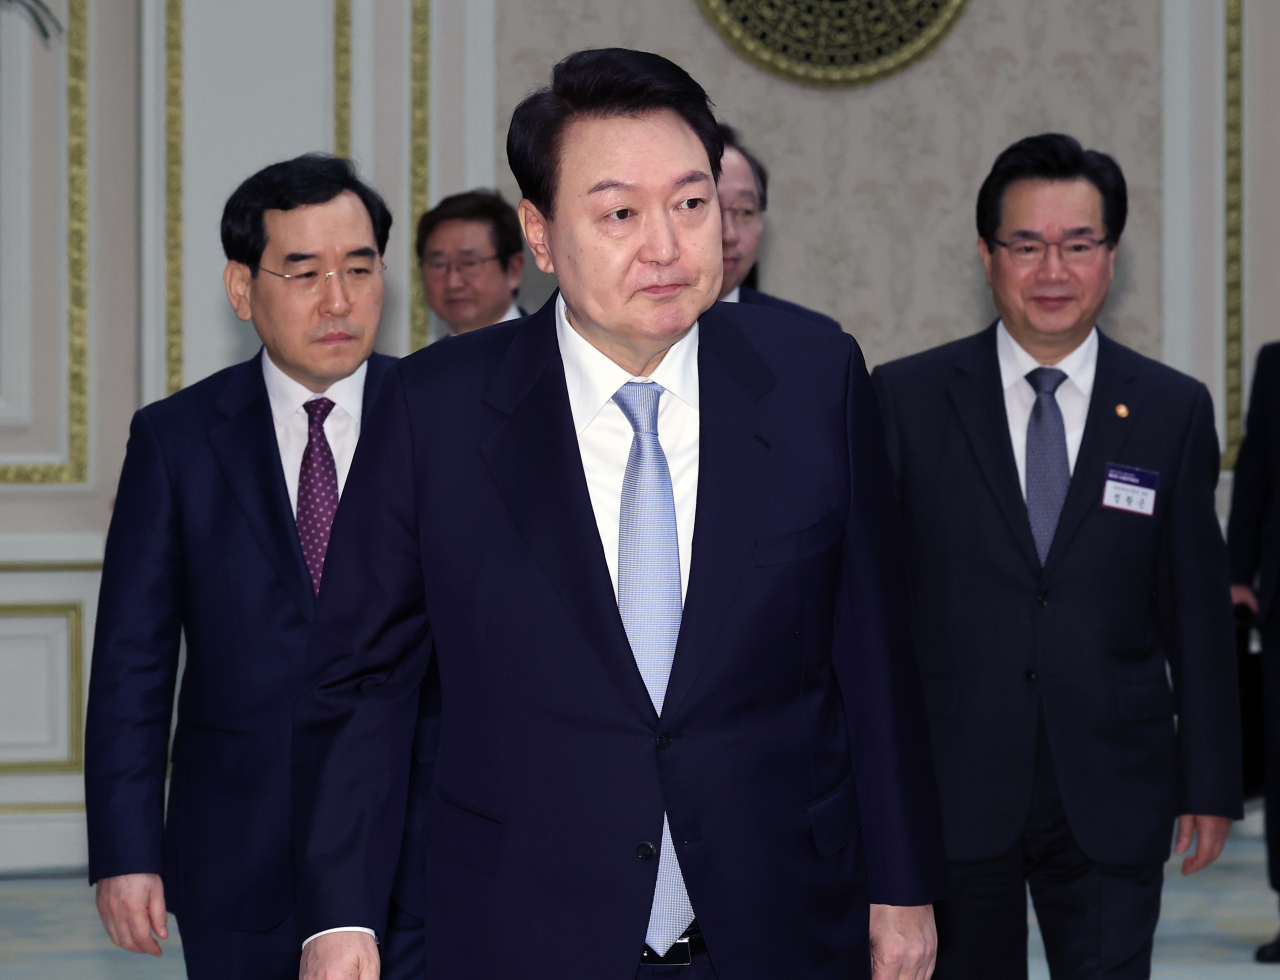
column 832, row 42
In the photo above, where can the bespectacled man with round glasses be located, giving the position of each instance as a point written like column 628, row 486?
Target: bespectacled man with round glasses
column 1073, row 611
column 471, row 254
column 219, row 536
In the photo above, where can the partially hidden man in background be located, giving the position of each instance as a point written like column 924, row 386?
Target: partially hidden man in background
column 1067, row 563
column 743, row 188
column 651, row 543
column 1253, row 542
column 471, row 256
column 219, row 534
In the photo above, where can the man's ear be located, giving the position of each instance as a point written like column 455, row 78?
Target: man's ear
column 985, row 253
column 237, row 277
column 535, row 233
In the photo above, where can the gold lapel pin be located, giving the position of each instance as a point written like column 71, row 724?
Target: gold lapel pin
column 1122, row 410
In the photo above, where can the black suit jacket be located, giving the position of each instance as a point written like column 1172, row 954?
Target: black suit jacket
column 1124, row 602
column 754, row 297
column 791, row 754
column 202, row 544
column 1253, row 533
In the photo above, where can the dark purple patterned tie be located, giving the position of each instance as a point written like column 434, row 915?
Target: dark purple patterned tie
column 317, row 490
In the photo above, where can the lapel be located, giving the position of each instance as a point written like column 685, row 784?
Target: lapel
column 1105, row 434
column 977, row 394
column 245, row 446
column 379, row 364
column 535, row 461
column 735, row 456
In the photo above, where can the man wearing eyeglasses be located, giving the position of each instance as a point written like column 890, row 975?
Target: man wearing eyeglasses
column 743, row 190
column 219, row 535
column 470, row 251
column 1072, row 609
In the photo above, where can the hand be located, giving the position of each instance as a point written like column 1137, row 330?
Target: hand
column 132, row 908
column 1211, row 837
column 904, row 942
column 1242, row 595
column 340, row 956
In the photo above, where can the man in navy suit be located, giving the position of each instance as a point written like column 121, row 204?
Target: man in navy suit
column 743, row 189
column 651, row 544
column 1067, row 564
column 219, row 535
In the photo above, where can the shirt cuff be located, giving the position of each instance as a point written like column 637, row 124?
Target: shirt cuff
column 341, row 929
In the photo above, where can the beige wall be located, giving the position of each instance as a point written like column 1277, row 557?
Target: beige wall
column 1261, row 202
column 871, row 199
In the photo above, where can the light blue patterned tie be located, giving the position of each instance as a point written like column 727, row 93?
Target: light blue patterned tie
column 650, row 603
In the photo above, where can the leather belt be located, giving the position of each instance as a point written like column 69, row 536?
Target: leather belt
column 681, row 953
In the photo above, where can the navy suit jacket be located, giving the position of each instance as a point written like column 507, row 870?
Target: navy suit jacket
column 1124, row 602
column 1253, row 534
column 754, row 297
column 202, row 544
column 791, row 754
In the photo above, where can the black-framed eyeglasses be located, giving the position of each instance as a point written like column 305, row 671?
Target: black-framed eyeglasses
column 1077, row 250
column 468, row 268
column 355, row 277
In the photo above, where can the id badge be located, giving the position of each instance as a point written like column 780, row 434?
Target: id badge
column 1129, row 488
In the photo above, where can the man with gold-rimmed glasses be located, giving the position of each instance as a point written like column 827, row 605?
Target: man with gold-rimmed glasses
column 1072, row 610
column 219, row 534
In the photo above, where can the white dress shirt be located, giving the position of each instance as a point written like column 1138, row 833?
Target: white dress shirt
column 1072, row 395
column 733, row 296
column 341, row 428
column 604, row 434
column 604, row 440
column 513, row 313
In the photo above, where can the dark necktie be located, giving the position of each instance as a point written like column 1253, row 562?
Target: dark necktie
column 1048, row 471
column 317, row 490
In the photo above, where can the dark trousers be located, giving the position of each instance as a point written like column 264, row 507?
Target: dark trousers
column 403, row 951
column 1097, row 920
column 1271, row 757
column 212, row 953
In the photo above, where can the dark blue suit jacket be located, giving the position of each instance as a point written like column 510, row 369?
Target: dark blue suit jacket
column 1253, row 535
column 791, row 754
column 756, row 298
column 1125, row 602
column 203, row 544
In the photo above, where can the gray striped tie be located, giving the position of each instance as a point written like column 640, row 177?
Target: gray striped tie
column 1048, row 469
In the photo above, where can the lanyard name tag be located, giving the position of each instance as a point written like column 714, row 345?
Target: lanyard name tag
column 1129, row 488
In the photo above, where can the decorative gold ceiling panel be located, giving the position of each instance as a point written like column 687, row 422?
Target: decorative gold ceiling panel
column 832, row 42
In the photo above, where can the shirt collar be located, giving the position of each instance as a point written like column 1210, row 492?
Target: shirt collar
column 513, row 313
column 592, row 378
column 733, row 296
column 288, row 396
column 1079, row 366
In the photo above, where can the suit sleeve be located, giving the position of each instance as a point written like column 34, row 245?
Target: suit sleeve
column 135, row 664
column 1251, row 487
column 1194, row 594
column 875, row 661
column 354, row 720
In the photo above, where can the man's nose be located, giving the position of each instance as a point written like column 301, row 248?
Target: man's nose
column 661, row 244
column 335, row 300
column 728, row 228
column 1051, row 266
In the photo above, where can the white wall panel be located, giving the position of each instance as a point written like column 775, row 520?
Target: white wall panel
column 15, row 218
column 43, row 841
column 35, row 669
column 257, row 88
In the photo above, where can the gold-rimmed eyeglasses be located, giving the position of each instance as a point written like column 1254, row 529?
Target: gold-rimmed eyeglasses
column 468, row 268
column 355, row 277
column 742, row 217
column 1027, row 252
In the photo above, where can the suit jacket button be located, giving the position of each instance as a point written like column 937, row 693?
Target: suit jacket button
column 665, row 739
column 644, row 851
column 1031, row 675
column 1043, row 598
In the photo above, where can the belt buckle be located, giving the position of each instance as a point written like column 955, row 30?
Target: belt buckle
column 677, row 955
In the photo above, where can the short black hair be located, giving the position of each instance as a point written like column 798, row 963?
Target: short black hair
column 476, row 205
column 312, row 178
column 600, row 83
column 1053, row 156
column 732, row 140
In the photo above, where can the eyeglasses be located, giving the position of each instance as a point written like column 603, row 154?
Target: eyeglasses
column 467, row 268
column 356, row 278
column 1028, row 252
column 742, row 217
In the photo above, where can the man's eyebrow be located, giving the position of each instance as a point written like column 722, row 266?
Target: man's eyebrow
column 612, row 185
column 1066, row 233
column 363, row 253
column 300, row 257
column 693, row 177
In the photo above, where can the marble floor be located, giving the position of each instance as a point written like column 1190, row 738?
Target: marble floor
column 1208, row 930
